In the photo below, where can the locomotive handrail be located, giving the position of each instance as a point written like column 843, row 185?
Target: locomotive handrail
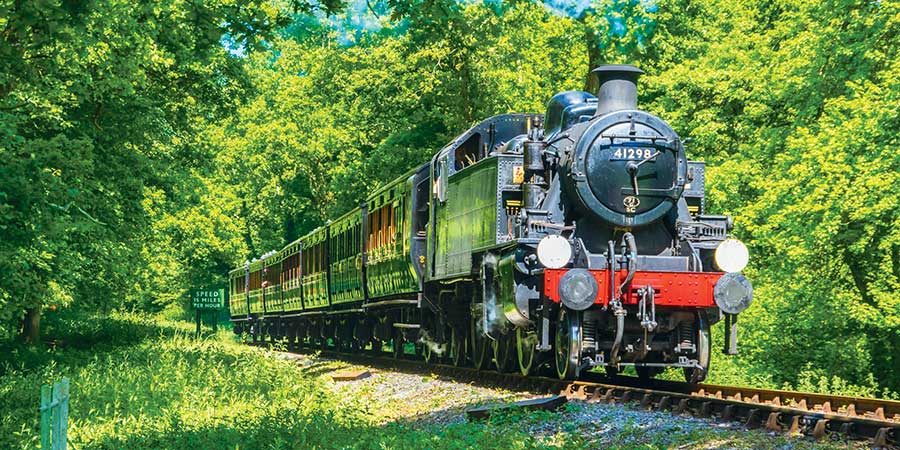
column 668, row 143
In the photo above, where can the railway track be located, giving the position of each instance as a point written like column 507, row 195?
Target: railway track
column 816, row 415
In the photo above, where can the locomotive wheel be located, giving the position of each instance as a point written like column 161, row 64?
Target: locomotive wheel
column 526, row 341
column 479, row 346
column 431, row 350
column 457, row 347
column 503, row 348
column 568, row 344
column 693, row 374
column 428, row 353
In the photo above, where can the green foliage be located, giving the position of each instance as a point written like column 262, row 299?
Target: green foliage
column 794, row 108
column 147, row 148
column 99, row 102
column 329, row 123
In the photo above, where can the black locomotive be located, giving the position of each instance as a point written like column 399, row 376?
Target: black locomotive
column 559, row 243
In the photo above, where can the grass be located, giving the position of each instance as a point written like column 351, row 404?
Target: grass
column 140, row 383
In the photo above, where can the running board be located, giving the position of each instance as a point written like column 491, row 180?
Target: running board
column 391, row 303
column 346, row 311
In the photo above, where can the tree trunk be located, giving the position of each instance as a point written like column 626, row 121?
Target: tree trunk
column 595, row 55
column 31, row 326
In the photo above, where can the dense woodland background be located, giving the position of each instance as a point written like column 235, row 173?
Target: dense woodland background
column 147, row 147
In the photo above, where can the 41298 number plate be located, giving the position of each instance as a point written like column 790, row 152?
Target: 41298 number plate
column 631, row 153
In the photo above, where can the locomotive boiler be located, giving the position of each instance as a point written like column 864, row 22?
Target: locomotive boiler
column 556, row 242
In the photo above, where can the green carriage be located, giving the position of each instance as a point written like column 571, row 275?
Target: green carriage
column 345, row 259
column 290, row 278
column 314, row 262
column 237, row 293
column 257, row 307
column 390, row 264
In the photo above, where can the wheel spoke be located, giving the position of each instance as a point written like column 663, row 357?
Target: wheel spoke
column 568, row 344
column 525, row 350
column 457, row 347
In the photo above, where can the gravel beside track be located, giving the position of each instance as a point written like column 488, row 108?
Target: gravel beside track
column 433, row 402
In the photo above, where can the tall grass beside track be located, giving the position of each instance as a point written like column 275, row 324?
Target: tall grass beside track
column 142, row 384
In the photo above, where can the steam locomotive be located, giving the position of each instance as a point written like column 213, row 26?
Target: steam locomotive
column 555, row 243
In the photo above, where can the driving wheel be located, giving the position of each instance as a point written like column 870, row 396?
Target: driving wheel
column 567, row 344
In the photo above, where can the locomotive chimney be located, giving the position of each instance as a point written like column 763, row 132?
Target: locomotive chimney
column 618, row 87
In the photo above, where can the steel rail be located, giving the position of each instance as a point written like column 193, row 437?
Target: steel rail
column 811, row 414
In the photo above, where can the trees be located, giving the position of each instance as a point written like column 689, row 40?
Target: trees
column 790, row 104
column 97, row 104
column 327, row 121
column 148, row 147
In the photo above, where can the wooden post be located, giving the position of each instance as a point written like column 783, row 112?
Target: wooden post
column 64, row 410
column 45, row 417
column 198, row 323
column 55, row 415
column 61, row 415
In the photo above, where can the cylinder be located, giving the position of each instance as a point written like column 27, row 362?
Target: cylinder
column 533, row 195
column 533, row 155
column 618, row 88
column 534, row 186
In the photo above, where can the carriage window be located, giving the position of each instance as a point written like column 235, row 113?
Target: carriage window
column 373, row 221
column 338, row 246
column 392, row 229
column 255, row 280
column 317, row 267
column 316, row 258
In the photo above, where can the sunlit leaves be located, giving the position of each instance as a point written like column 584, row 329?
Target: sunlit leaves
column 794, row 107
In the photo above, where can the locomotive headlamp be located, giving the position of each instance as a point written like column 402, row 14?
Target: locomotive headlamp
column 733, row 293
column 578, row 289
column 732, row 255
column 554, row 251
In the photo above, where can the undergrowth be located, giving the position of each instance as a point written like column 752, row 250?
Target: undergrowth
column 143, row 384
